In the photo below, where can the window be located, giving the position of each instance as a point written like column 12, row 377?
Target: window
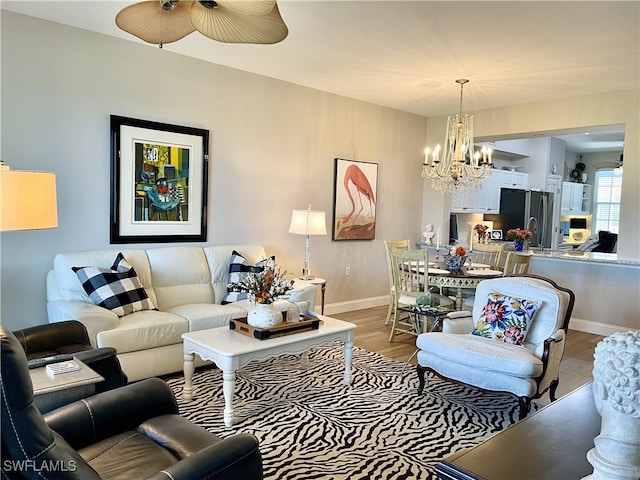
column 607, row 200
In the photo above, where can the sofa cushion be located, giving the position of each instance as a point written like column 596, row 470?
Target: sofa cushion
column 505, row 318
column 117, row 289
column 180, row 276
column 144, row 330
column 201, row 316
column 238, row 267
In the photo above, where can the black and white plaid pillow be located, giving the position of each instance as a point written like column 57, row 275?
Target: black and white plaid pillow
column 237, row 268
column 117, row 289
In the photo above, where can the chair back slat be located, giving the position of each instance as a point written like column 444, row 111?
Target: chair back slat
column 488, row 254
column 517, row 263
column 410, row 271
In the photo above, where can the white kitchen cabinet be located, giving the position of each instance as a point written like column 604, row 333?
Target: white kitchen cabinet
column 484, row 200
column 576, row 199
column 513, row 179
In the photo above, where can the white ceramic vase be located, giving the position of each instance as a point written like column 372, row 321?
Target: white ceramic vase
column 264, row 315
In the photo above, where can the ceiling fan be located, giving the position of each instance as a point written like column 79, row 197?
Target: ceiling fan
column 229, row 21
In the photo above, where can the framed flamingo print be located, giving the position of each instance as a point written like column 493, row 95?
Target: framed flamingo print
column 354, row 200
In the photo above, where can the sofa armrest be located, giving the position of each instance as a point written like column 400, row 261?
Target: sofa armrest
column 50, row 337
column 104, row 362
column 304, row 293
column 95, row 418
column 95, row 319
column 234, row 457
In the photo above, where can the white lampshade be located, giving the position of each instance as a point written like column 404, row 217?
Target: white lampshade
column 27, row 200
column 308, row 222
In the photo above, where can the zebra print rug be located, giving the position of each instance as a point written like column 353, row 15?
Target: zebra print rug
column 312, row 426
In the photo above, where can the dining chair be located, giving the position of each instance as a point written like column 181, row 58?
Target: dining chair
column 487, row 254
column 482, row 254
column 517, row 263
column 388, row 245
column 410, row 281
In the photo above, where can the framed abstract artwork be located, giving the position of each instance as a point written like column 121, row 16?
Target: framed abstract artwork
column 354, row 200
column 159, row 176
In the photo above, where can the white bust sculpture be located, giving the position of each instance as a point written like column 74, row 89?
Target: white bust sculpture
column 616, row 388
column 428, row 234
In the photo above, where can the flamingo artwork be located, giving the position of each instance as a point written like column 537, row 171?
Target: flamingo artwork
column 355, row 225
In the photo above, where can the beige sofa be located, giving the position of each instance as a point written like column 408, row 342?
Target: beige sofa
column 185, row 284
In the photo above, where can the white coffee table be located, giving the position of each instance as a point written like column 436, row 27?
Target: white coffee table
column 231, row 351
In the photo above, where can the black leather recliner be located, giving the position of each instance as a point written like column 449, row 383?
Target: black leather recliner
column 71, row 337
column 131, row 432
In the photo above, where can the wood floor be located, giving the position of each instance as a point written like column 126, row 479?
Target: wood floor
column 373, row 335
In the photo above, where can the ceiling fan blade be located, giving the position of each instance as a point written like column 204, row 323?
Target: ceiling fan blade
column 248, row 7
column 224, row 25
column 151, row 23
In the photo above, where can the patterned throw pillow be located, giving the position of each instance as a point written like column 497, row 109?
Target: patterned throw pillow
column 506, row 319
column 117, row 289
column 238, row 267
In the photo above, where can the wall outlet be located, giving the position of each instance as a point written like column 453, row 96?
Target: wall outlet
column 347, row 272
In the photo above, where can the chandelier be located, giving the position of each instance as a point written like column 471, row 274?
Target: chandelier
column 457, row 166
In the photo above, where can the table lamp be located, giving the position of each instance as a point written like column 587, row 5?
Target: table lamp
column 307, row 222
column 27, row 200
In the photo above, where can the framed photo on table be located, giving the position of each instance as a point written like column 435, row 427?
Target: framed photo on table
column 496, row 234
column 354, row 200
column 159, row 178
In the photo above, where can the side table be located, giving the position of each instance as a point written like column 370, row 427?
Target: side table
column 315, row 281
column 51, row 392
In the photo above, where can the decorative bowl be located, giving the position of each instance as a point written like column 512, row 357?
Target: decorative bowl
column 455, row 262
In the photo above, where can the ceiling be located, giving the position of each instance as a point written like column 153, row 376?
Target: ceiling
column 407, row 54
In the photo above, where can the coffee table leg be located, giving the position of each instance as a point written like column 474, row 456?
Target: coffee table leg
column 304, row 360
column 228, row 386
column 189, row 368
column 348, row 355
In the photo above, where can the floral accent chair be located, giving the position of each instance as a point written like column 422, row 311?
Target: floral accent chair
column 512, row 341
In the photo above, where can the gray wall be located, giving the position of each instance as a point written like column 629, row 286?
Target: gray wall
column 272, row 149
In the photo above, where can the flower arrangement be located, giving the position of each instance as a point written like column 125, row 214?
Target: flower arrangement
column 519, row 235
column 455, row 258
column 480, row 229
column 265, row 286
column 457, row 251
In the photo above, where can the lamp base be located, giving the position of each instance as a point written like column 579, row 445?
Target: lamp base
column 306, row 274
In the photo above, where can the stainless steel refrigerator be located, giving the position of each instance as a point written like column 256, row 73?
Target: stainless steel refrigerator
column 531, row 210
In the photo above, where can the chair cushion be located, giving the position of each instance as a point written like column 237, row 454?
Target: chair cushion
column 481, row 354
column 237, row 268
column 117, row 289
column 505, row 318
column 129, row 454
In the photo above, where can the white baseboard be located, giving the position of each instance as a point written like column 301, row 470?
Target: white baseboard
column 596, row 328
column 351, row 305
column 577, row 324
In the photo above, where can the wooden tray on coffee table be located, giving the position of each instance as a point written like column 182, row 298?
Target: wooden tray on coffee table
column 306, row 323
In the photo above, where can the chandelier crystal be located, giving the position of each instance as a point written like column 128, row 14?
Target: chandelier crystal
column 457, row 166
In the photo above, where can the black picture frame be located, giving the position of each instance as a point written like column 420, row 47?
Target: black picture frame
column 354, row 200
column 146, row 206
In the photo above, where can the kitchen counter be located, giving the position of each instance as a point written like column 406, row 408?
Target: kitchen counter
column 595, row 257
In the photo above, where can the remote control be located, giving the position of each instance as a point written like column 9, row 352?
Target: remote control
column 42, row 361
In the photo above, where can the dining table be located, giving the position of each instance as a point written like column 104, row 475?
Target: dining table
column 467, row 277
